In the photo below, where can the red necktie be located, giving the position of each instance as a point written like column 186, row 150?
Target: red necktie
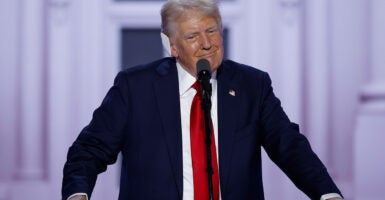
column 198, row 150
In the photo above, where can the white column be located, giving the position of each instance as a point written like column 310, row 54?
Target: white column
column 62, row 67
column 286, row 56
column 317, row 69
column 378, row 45
column 9, row 42
column 30, row 136
column 253, row 34
column 369, row 135
column 78, row 79
column 22, row 129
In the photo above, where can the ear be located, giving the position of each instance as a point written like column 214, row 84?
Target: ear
column 174, row 51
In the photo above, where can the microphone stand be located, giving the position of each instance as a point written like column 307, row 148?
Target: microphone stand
column 206, row 106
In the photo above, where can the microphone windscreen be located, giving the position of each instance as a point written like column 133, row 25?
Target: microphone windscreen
column 203, row 65
column 204, row 74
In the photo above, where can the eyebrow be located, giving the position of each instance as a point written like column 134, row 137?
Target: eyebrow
column 214, row 26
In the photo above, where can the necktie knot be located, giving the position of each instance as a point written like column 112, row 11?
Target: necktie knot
column 197, row 88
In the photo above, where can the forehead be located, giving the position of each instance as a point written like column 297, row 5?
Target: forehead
column 194, row 20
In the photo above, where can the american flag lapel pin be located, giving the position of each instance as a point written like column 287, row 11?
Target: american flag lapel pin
column 232, row 92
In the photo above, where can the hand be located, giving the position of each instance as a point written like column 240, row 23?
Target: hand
column 78, row 197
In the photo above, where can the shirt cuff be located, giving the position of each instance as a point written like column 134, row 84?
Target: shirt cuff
column 78, row 194
column 330, row 195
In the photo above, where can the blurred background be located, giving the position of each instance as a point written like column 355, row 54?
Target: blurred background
column 59, row 57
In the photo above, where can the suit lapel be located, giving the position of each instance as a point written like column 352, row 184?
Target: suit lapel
column 167, row 94
column 228, row 99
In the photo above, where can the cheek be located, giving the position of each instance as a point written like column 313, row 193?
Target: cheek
column 189, row 50
column 194, row 47
column 218, row 41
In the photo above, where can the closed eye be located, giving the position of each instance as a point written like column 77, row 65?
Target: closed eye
column 212, row 30
column 191, row 37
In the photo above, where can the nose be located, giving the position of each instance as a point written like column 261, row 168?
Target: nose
column 205, row 42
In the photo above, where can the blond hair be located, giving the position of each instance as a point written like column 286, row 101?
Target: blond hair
column 174, row 9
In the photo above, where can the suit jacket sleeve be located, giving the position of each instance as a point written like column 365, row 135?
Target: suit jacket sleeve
column 99, row 143
column 290, row 150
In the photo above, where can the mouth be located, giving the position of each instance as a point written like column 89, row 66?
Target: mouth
column 208, row 54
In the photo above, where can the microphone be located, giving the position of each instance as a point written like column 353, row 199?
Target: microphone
column 204, row 75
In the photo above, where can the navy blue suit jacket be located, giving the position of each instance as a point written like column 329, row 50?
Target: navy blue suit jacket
column 140, row 117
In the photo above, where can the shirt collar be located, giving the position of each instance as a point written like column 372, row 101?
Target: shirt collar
column 186, row 80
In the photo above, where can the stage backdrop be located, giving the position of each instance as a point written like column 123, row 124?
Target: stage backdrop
column 59, row 57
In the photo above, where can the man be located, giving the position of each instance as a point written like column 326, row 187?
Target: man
column 146, row 116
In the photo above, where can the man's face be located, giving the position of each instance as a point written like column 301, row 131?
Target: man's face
column 195, row 36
